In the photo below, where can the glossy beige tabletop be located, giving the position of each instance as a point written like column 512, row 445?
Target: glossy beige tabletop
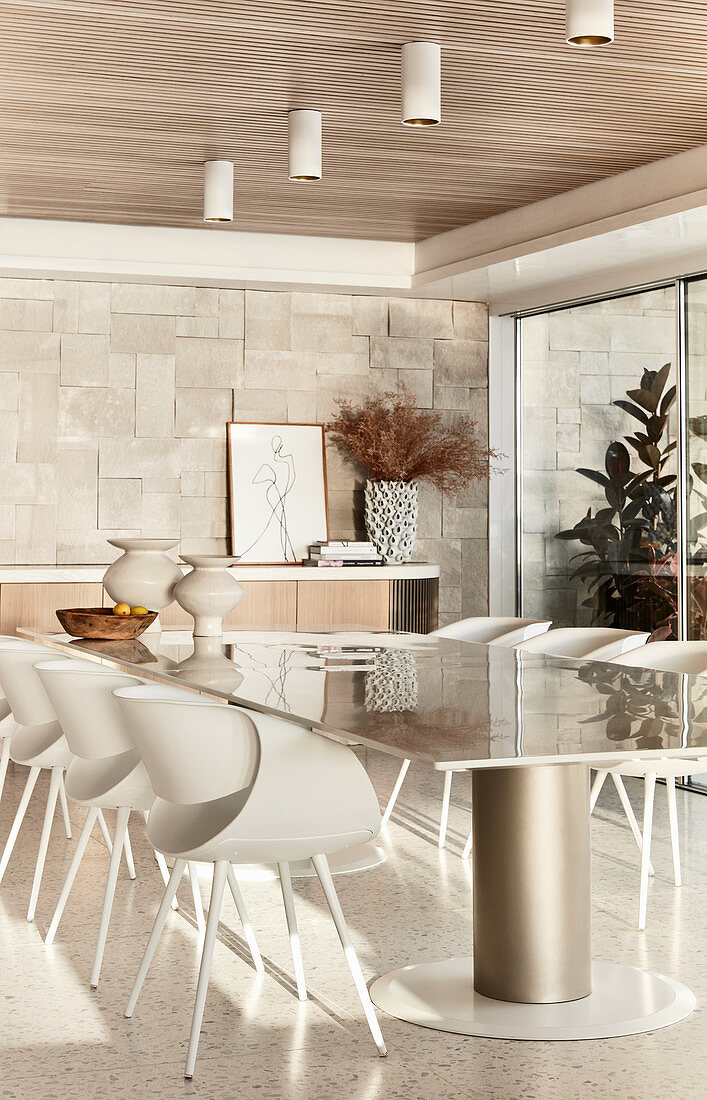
column 444, row 703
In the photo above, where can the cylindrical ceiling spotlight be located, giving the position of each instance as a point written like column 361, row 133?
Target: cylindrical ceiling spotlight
column 218, row 191
column 305, row 145
column 422, row 84
column 590, row 22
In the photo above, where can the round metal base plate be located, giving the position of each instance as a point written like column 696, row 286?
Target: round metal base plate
column 623, row 1001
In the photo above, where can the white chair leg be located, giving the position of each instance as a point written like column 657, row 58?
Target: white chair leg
column 65, row 809
column 54, row 788
column 19, row 816
column 674, row 831
column 104, row 831
column 245, row 920
column 129, row 861
column 162, row 914
column 322, row 868
column 196, row 897
column 220, row 871
column 446, row 795
column 628, row 810
column 162, row 864
column 289, row 900
column 596, row 789
column 4, row 761
column 395, row 792
column 121, row 824
column 648, row 800
column 71, row 875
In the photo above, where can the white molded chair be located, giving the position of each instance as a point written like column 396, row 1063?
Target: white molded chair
column 485, row 630
column 594, row 643
column 236, row 786
column 8, row 727
column 105, row 773
column 683, row 657
column 38, row 743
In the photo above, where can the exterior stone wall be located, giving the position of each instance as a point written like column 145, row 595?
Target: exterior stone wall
column 575, row 363
column 113, row 401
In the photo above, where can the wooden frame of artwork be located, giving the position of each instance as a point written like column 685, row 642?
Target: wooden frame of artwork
column 277, row 491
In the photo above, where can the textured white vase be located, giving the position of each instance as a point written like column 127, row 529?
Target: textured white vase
column 391, row 518
column 144, row 575
column 208, row 593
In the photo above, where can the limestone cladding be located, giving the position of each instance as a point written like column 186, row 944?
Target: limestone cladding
column 113, row 401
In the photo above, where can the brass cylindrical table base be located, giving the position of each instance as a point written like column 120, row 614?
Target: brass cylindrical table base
column 532, row 934
column 531, row 975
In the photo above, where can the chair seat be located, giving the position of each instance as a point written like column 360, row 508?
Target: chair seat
column 110, row 782
column 41, row 747
column 663, row 769
column 208, row 832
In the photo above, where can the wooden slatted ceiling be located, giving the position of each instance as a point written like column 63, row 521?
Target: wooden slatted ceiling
column 108, row 109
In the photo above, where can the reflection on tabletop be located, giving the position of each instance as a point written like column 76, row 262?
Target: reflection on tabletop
column 433, row 699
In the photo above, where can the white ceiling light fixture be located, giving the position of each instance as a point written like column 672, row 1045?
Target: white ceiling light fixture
column 305, row 145
column 422, row 84
column 590, row 22
column 218, row 191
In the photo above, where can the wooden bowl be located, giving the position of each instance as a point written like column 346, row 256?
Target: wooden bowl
column 101, row 623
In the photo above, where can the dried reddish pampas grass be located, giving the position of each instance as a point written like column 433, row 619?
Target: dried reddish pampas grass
column 395, row 441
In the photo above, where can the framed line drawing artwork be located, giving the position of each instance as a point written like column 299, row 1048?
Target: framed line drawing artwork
column 277, row 491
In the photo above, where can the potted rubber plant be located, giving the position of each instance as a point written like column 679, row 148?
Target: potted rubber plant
column 398, row 446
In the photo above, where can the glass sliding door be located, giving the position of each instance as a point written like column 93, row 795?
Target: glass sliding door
column 695, row 327
column 599, row 463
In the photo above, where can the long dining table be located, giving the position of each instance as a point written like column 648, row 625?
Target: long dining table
column 528, row 727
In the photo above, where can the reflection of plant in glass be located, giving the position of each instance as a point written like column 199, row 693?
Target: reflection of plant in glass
column 628, row 568
column 641, row 704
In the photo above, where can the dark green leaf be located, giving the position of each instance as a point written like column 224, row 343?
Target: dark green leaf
column 632, row 410
column 594, row 475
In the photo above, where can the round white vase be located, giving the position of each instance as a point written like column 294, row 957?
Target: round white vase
column 144, row 575
column 208, row 593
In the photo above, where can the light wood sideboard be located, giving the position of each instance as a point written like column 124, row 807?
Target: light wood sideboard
column 275, row 597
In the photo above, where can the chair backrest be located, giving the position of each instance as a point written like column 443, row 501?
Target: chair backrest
column 493, row 630
column 80, row 693
column 295, row 783
column 667, row 657
column 194, row 750
column 21, row 684
column 596, row 643
column 5, row 707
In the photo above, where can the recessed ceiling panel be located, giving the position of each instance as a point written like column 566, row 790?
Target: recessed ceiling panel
column 109, row 109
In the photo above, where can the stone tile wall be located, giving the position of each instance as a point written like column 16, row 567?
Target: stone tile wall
column 113, row 400
column 576, row 362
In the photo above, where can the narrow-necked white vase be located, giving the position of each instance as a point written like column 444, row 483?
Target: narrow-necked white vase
column 144, row 575
column 208, row 593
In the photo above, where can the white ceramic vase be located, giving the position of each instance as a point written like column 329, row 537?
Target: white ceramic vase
column 391, row 518
column 208, row 593
column 144, row 575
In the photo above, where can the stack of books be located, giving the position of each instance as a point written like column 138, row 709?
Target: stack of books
column 344, row 553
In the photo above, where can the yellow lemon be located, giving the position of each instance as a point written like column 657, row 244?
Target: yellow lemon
column 121, row 609
column 139, row 611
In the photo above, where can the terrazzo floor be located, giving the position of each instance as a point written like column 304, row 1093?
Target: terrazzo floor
column 60, row 1040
